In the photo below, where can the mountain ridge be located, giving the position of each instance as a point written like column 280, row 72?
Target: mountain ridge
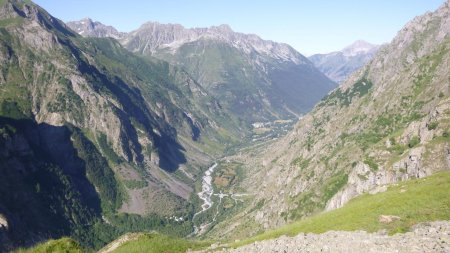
column 339, row 65
column 88, row 27
column 258, row 79
column 179, row 35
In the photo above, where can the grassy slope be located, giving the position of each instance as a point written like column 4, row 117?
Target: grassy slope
column 65, row 245
column 149, row 243
column 415, row 201
column 157, row 243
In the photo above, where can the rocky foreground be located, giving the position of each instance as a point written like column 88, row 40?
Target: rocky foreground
column 425, row 237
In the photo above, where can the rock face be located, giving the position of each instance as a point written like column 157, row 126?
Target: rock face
column 3, row 222
column 255, row 79
column 388, row 122
column 152, row 37
column 338, row 66
column 426, row 237
column 363, row 179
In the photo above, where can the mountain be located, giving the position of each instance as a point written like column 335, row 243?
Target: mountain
column 389, row 122
column 338, row 66
column 100, row 137
column 89, row 28
column 95, row 141
column 258, row 80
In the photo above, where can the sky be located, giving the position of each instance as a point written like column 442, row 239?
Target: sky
column 310, row 26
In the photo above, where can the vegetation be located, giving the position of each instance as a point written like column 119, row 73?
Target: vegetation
column 313, row 201
column 413, row 142
column 433, row 125
column 157, row 243
column 333, row 185
column 47, row 190
column 45, row 197
column 107, row 150
column 135, row 184
column 372, row 164
column 63, row 245
column 383, row 127
column 98, row 172
column 300, row 162
column 414, row 201
column 344, row 98
column 150, row 243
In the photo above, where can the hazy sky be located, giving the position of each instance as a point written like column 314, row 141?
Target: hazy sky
column 310, row 26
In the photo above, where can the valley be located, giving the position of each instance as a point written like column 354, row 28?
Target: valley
column 167, row 138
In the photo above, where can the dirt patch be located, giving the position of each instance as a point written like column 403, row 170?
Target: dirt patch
column 388, row 218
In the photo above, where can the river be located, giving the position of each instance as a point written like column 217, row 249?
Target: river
column 206, row 194
column 207, row 190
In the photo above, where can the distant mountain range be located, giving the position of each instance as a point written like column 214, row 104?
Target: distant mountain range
column 338, row 66
column 259, row 80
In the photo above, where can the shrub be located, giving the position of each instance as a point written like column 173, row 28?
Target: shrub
column 372, row 164
column 432, row 125
column 413, row 142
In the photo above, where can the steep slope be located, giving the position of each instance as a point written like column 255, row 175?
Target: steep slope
column 45, row 190
column 387, row 123
column 255, row 79
column 338, row 66
column 93, row 135
column 62, row 245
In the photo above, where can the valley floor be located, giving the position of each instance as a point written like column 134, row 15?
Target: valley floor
column 425, row 237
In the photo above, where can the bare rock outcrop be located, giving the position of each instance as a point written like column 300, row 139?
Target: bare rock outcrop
column 3, row 222
column 426, row 237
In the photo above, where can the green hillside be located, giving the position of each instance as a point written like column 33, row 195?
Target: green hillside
column 415, row 201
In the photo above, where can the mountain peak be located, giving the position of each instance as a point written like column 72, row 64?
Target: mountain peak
column 88, row 27
column 338, row 66
column 359, row 47
column 223, row 28
column 87, row 20
column 155, row 24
